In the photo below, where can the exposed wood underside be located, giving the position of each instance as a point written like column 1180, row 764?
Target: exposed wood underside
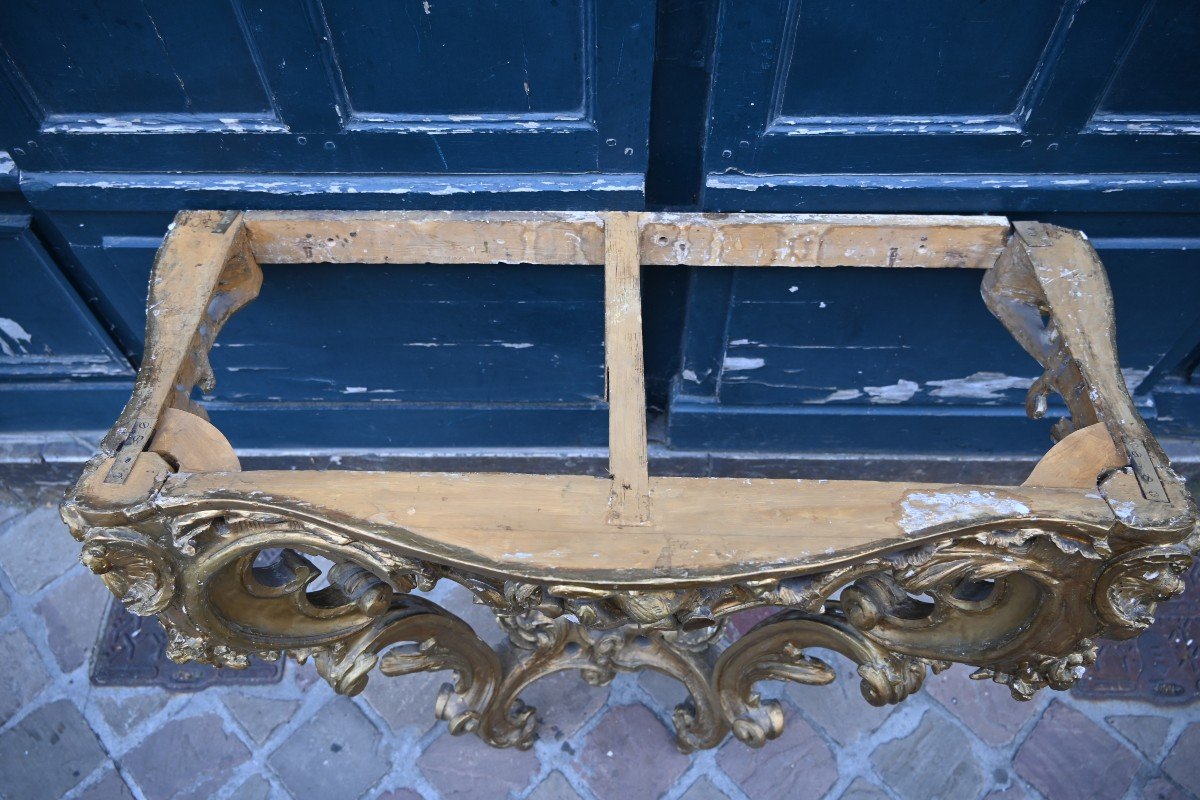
column 551, row 527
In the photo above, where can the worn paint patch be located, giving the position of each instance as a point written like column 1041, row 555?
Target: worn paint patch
column 840, row 394
column 899, row 392
column 14, row 338
column 734, row 363
column 979, row 386
column 1134, row 377
column 925, row 510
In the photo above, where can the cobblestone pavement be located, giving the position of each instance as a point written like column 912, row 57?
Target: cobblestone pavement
column 61, row 737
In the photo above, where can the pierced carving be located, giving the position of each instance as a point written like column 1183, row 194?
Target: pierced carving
column 245, row 587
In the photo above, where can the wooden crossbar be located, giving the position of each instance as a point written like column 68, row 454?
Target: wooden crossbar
column 625, row 381
column 565, row 237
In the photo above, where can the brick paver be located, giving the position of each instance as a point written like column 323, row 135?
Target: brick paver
column 188, row 758
column 259, row 716
column 802, row 767
column 1183, row 764
column 338, row 754
column 23, row 675
column 1104, row 767
column 35, row 551
column 60, row 737
column 463, row 767
column 935, row 760
column 631, row 755
column 48, row 752
column 1147, row 732
column 985, row 707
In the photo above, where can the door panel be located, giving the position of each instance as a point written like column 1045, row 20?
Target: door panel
column 539, row 67
column 1073, row 112
column 504, row 86
column 875, row 92
column 59, row 369
column 931, row 59
column 45, row 331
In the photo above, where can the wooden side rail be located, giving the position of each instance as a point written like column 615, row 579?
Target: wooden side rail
column 635, row 571
column 569, row 237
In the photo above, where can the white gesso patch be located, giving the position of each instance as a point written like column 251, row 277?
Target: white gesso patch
column 12, row 330
column 979, row 386
column 734, row 363
column 899, row 392
column 925, row 510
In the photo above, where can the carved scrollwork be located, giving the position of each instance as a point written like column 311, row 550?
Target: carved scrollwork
column 134, row 567
column 1131, row 587
column 555, row 645
column 1024, row 606
column 774, row 650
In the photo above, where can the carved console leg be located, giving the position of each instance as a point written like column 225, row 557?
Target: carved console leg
column 546, row 646
column 774, row 650
column 439, row 641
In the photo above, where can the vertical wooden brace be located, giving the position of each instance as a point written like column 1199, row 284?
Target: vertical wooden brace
column 629, row 502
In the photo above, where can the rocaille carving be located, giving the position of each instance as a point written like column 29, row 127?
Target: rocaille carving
column 234, row 575
column 248, row 592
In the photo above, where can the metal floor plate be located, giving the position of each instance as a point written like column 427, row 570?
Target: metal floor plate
column 131, row 652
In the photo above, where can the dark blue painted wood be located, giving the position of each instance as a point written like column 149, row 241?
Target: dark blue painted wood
column 816, row 350
column 58, row 369
column 1071, row 112
column 45, row 331
column 490, row 348
column 504, row 86
column 874, row 90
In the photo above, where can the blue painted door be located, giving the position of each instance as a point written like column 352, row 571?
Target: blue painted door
column 120, row 113
column 344, row 86
column 1085, row 114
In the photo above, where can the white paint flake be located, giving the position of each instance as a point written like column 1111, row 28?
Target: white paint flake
column 925, row 510
column 690, row 375
column 899, row 392
column 734, row 363
column 12, row 330
column 354, row 390
column 979, row 386
column 842, row 394
column 1134, row 377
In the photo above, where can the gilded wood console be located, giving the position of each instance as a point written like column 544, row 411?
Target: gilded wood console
column 635, row 571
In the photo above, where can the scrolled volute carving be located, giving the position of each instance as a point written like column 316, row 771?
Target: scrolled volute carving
column 137, row 569
column 1130, row 588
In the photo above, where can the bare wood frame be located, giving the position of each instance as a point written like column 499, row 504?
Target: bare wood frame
column 635, row 571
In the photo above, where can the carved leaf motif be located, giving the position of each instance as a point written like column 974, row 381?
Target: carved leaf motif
column 954, row 566
column 1130, row 589
column 135, row 568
